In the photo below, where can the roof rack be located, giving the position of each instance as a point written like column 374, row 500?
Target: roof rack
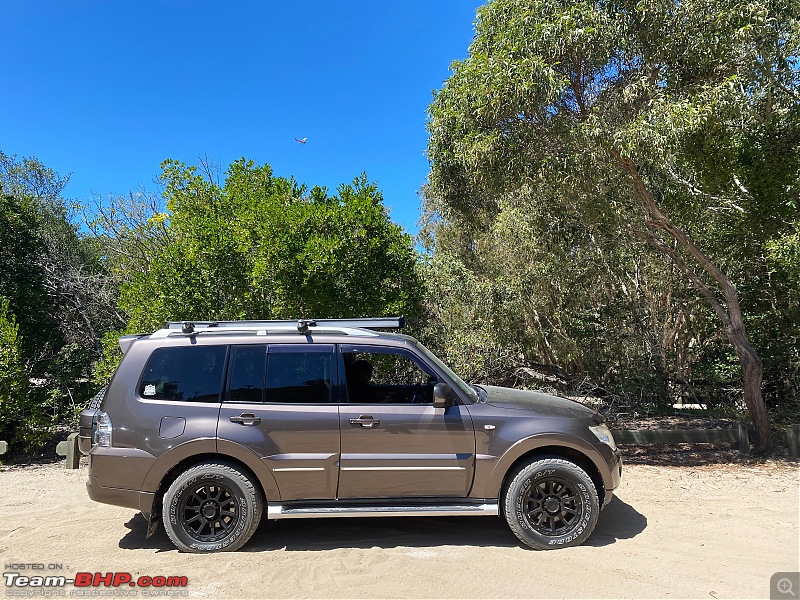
column 300, row 325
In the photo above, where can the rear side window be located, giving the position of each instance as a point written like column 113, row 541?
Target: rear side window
column 299, row 374
column 185, row 374
column 247, row 373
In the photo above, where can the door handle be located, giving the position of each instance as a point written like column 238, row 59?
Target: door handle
column 246, row 419
column 365, row 421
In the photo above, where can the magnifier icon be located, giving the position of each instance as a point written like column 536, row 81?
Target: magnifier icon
column 785, row 587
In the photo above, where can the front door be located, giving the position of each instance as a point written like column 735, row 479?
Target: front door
column 280, row 404
column 394, row 442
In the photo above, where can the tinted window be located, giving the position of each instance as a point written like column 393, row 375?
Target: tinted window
column 386, row 376
column 299, row 374
column 189, row 374
column 247, row 371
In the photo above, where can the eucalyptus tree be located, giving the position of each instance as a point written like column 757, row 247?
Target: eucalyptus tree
column 670, row 120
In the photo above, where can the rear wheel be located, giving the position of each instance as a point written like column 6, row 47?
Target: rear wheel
column 211, row 507
column 551, row 503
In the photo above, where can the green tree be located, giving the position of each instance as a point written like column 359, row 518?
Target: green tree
column 653, row 117
column 55, row 278
column 13, row 379
column 22, row 278
column 55, row 285
column 261, row 247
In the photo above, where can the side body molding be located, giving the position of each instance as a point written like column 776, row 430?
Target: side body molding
column 254, row 463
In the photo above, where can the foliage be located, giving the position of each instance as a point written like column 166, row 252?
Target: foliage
column 263, row 247
column 110, row 356
column 22, row 278
column 671, row 124
column 54, row 284
column 13, row 379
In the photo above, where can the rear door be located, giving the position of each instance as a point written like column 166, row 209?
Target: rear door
column 394, row 442
column 280, row 403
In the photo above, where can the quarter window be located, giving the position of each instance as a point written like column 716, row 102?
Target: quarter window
column 184, row 374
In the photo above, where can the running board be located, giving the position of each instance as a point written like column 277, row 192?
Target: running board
column 282, row 511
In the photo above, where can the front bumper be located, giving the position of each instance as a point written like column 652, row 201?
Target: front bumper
column 615, row 469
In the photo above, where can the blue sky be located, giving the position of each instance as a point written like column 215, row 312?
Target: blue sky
column 107, row 90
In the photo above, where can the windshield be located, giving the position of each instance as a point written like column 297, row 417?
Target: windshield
column 456, row 379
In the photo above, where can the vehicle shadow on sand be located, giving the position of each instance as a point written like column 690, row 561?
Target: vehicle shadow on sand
column 618, row 521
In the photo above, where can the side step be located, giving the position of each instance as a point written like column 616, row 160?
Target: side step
column 283, row 511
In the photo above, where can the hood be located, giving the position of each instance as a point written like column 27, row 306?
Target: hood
column 537, row 402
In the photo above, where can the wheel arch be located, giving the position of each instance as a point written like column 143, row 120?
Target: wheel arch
column 561, row 446
column 566, row 453
column 233, row 454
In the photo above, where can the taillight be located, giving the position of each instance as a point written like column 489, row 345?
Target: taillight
column 102, row 431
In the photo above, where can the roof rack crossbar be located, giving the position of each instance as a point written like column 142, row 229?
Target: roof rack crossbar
column 302, row 325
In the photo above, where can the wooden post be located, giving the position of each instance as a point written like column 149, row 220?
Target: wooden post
column 69, row 448
column 792, row 436
column 744, row 440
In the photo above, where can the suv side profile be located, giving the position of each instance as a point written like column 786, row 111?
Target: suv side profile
column 208, row 426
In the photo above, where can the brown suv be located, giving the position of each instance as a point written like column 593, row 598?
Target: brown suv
column 204, row 425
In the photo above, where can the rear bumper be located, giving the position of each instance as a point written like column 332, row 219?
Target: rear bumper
column 136, row 499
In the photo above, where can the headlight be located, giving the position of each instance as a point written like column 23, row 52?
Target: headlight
column 603, row 433
column 102, row 432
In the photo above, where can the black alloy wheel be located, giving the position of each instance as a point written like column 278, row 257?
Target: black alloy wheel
column 551, row 506
column 209, row 513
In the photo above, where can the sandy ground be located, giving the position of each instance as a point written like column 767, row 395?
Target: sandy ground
column 714, row 531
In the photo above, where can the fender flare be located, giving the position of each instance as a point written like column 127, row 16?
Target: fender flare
column 209, row 446
column 534, row 442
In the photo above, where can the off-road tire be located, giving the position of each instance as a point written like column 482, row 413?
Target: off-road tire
column 551, row 503
column 211, row 507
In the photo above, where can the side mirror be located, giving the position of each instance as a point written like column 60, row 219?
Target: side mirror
column 442, row 395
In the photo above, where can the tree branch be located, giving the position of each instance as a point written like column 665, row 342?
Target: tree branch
column 663, row 222
column 706, row 292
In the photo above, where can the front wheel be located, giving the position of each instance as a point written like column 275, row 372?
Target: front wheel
column 211, row 507
column 551, row 503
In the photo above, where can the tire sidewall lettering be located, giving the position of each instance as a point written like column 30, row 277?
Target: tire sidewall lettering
column 583, row 502
column 244, row 522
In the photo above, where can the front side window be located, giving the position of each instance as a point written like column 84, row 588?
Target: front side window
column 386, row 376
column 184, row 374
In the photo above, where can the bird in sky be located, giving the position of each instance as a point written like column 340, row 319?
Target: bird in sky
column 303, row 141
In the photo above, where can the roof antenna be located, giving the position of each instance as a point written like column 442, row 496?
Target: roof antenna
column 304, row 324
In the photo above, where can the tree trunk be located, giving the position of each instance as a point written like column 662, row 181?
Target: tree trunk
column 753, row 373
column 730, row 313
